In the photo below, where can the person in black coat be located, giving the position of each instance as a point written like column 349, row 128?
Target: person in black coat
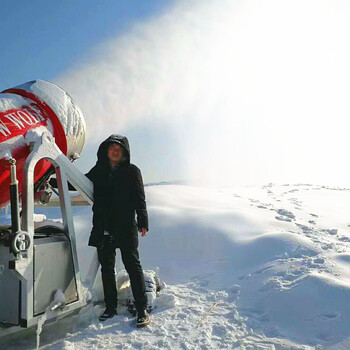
column 118, row 196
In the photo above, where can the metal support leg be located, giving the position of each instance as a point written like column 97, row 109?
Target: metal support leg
column 45, row 148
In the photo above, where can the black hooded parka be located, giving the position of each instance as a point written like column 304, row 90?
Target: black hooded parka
column 118, row 196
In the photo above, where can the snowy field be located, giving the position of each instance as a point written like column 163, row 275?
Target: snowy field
column 245, row 268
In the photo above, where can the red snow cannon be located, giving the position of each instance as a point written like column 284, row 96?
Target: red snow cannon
column 42, row 106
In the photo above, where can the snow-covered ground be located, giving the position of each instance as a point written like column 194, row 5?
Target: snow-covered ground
column 246, row 268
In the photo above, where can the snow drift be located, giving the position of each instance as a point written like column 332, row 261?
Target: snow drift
column 270, row 264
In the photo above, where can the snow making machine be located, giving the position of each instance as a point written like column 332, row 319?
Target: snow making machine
column 42, row 132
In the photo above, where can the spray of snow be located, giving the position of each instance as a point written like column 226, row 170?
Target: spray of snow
column 228, row 92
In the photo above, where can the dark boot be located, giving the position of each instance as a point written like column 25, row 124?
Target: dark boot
column 143, row 319
column 108, row 313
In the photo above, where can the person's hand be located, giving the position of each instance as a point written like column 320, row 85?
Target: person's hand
column 143, row 230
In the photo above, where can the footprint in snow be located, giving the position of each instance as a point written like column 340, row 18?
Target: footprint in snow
column 319, row 261
column 314, row 263
column 265, row 206
column 283, row 218
column 253, row 200
column 327, row 246
column 304, row 228
column 286, row 213
column 331, row 231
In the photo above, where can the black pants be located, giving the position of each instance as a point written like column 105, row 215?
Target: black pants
column 130, row 258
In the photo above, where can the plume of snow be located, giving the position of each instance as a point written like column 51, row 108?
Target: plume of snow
column 226, row 91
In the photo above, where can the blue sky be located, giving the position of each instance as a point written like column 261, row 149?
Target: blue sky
column 40, row 39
